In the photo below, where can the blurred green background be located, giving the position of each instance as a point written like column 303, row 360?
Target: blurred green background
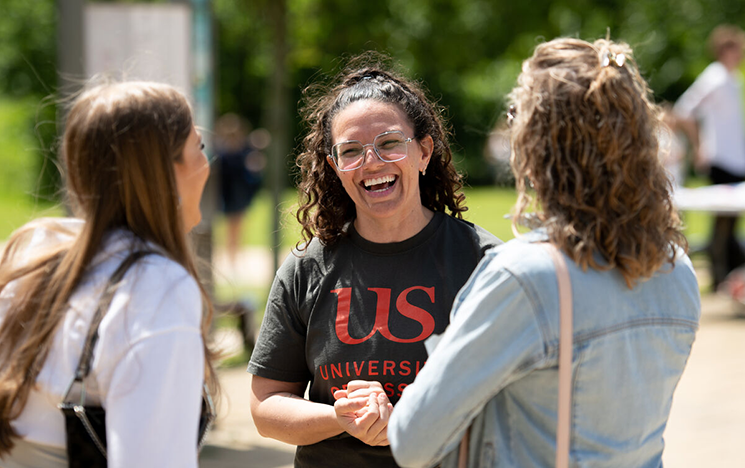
column 466, row 52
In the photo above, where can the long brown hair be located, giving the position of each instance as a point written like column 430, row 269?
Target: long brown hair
column 584, row 136
column 119, row 148
column 325, row 207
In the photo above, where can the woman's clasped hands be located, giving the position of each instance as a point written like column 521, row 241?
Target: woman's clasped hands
column 363, row 410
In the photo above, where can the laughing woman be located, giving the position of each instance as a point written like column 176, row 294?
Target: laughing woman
column 349, row 311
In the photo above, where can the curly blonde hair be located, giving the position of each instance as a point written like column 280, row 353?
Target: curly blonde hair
column 325, row 206
column 585, row 137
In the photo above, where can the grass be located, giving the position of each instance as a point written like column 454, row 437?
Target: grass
column 18, row 146
column 19, row 150
column 257, row 222
column 487, row 207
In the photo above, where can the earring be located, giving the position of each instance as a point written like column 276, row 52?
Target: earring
column 424, row 171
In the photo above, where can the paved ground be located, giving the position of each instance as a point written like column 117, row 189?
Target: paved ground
column 706, row 427
column 234, row 442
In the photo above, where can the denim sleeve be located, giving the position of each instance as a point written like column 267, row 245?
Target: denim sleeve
column 493, row 340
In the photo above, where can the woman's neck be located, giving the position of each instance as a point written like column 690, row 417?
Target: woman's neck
column 395, row 228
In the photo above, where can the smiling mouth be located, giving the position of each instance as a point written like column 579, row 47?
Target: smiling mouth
column 379, row 184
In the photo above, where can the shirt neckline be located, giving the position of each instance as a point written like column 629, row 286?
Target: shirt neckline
column 390, row 248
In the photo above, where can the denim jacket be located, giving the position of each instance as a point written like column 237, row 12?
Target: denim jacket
column 497, row 363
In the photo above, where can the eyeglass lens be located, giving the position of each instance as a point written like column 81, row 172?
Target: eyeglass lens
column 389, row 146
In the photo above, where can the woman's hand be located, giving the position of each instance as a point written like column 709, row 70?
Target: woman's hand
column 363, row 410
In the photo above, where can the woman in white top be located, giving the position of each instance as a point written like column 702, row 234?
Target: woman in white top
column 135, row 173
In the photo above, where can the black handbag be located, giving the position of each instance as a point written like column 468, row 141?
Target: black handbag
column 85, row 425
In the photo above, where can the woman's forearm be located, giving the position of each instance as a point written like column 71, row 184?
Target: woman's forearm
column 292, row 419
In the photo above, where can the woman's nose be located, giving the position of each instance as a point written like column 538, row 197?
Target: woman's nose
column 371, row 157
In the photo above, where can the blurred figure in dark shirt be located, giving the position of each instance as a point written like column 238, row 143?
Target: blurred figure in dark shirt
column 241, row 164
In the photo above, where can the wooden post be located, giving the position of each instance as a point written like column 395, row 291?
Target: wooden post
column 278, row 116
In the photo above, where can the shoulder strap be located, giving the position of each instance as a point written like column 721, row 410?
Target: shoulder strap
column 563, row 425
column 84, row 366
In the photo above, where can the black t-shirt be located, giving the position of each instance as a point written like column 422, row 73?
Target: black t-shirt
column 362, row 310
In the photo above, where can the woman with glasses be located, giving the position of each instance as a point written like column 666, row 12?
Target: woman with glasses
column 584, row 139
column 135, row 171
column 382, row 261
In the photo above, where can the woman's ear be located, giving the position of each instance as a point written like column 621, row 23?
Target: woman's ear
column 332, row 164
column 427, row 145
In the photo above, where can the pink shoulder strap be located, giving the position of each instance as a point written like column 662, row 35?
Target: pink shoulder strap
column 563, row 425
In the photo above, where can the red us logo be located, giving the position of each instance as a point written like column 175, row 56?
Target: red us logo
column 382, row 310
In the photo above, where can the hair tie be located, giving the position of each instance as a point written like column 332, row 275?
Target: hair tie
column 609, row 57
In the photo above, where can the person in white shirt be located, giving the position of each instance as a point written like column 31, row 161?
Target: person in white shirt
column 712, row 113
column 135, row 172
column 672, row 146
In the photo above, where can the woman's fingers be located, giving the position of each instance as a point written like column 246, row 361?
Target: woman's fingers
column 356, row 417
column 363, row 392
column 349, row 406
column 354, row 385
column 361, row 389
column 378, row 432
column 363, row 410
column 373, row 426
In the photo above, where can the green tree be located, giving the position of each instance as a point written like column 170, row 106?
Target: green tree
column 467, row 52
column 27, row 48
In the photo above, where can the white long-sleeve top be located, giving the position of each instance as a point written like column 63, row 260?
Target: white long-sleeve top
column 148, row 364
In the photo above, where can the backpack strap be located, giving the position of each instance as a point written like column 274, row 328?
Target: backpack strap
column 84, row 365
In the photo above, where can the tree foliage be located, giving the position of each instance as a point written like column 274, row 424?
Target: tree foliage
column 27, row 47
column 467, row 52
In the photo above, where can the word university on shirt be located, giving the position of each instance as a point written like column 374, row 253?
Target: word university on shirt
column 394, row 374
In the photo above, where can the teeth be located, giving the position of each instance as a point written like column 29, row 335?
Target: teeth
column 379, row 180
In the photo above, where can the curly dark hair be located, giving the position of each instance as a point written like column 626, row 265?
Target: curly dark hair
column 585, row 136
column 325, row 207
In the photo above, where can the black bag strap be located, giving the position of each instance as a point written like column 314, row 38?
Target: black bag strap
column 84, row 366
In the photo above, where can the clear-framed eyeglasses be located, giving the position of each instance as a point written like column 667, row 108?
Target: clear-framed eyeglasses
column 388, row 146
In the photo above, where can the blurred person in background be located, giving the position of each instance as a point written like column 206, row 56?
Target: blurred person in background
column 349, row 310
column 241, row 164
column 584, row 138
column 711, row 113
column 135, row 172
column 673, row 146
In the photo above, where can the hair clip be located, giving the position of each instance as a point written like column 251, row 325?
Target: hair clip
column 609, row 57
column 511, row 114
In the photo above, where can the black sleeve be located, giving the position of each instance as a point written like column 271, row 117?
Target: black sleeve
column 280, row 350
column 487, row 240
